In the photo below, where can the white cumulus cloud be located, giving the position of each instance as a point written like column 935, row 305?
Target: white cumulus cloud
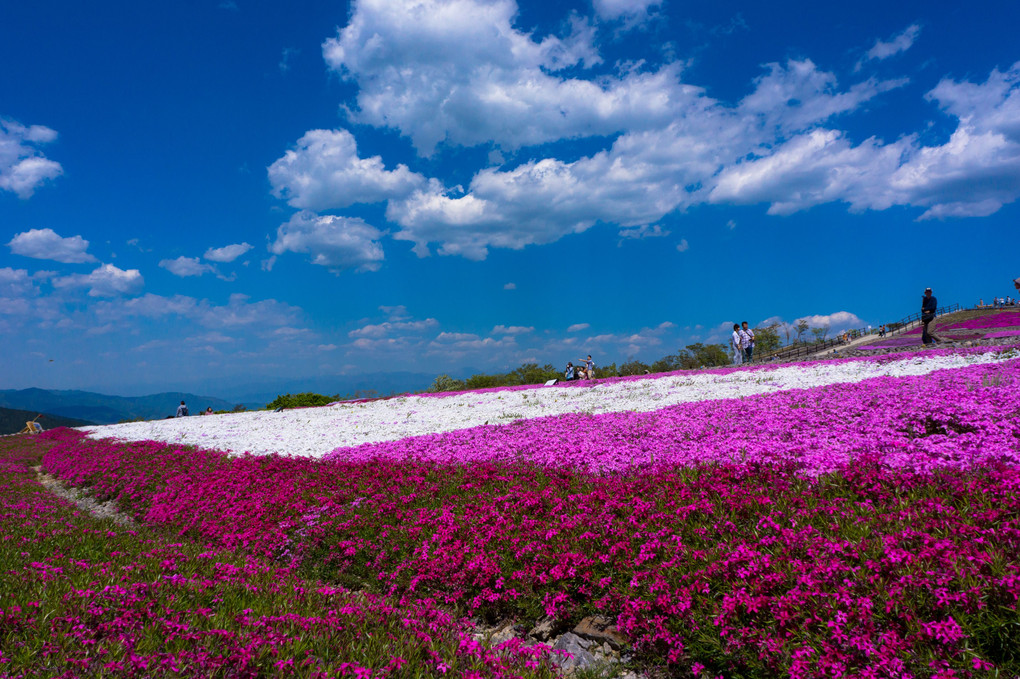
column 324, row 172
column 105, row 281
column 334, row 242
column 23, row 167
column 447, row 73
column 16, row 283
column 47, row 244
column 458, row 71
column 971, row 175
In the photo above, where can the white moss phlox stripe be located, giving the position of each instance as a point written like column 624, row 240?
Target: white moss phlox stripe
column 314, row 432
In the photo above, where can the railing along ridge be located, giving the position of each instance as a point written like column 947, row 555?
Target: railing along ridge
column 797, row 350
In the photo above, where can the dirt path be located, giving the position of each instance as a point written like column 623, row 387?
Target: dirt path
column 82, row 500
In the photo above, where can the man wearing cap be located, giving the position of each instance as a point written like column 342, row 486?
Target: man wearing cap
column 928, row 306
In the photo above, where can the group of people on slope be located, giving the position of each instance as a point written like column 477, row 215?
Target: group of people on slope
column 182, row 410
column 999, row 302
column 584, row 371
column 742, row 343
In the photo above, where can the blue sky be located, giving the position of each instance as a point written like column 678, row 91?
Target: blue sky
column 224, row 190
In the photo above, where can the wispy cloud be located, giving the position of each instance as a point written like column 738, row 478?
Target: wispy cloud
column 883, row 49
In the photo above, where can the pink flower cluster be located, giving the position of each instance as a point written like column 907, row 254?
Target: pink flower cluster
column 818, row 429
column 850, row 530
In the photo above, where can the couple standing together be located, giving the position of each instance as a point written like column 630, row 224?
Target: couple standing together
column 742, row 343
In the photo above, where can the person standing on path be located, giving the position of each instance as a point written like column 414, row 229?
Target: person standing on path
column 747, row 341
column 182, row 410
column 737, row 345
column 928, row 306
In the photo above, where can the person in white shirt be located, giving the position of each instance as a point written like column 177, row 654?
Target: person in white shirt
column 737, row 344
column 747, row 341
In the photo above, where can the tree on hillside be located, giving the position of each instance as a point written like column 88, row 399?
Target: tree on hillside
column 530, row 373
column 820, row 333
column 303, row 400
column 700, row 355
column 802, row 327
column 766, row 339
column 446, row 383
column 635, row 367
column 483, row 381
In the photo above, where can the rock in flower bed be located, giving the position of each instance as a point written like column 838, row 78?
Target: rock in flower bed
column 82, row 597
column 848, row 530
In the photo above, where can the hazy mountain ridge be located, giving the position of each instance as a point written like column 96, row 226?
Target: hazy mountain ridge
column 383, row 384
column 103, row 408
column 12, row 421
column 99, row 408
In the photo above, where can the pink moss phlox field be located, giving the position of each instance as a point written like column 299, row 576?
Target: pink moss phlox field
column 83, row 597
column 851, row 530
column 818, row 428
column 1003, row 319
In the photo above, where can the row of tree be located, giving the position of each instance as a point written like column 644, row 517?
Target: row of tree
column 767, row 340
column 691, row 357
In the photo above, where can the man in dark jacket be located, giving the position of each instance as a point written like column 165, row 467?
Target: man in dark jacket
column 928, row 306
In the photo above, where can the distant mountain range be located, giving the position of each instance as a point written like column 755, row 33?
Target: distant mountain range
column 264, row 391
column 92, row 407
column 103, row 409
column 13, row 421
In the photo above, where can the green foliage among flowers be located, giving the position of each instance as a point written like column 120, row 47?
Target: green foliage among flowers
column 80, row 596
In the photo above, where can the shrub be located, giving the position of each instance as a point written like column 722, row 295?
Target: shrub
column 302, row 400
